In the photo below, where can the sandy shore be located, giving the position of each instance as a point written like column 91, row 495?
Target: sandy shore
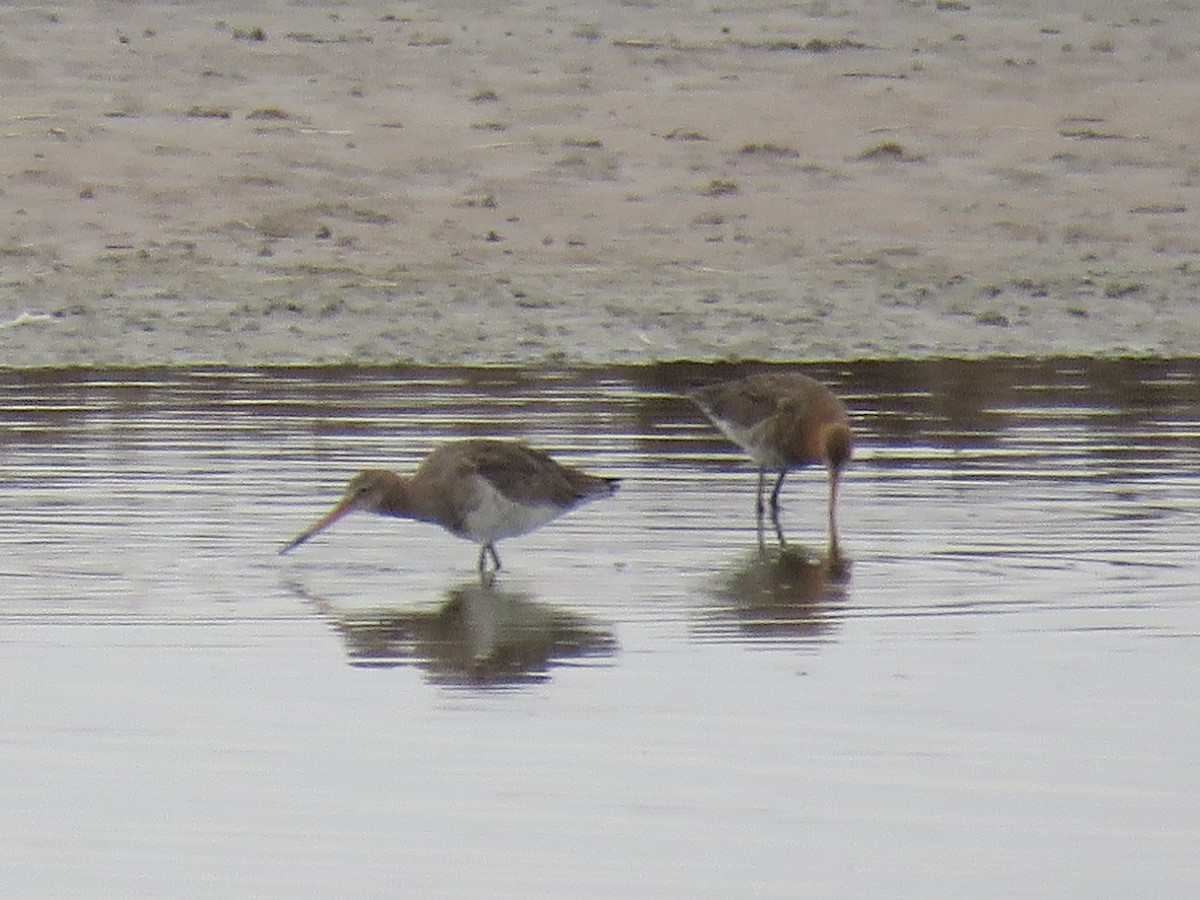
column 294, row 182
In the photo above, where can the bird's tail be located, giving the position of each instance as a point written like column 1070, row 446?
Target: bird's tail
column 598, row 486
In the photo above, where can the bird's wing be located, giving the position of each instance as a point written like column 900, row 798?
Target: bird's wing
column 745, row 403
column 529, row 476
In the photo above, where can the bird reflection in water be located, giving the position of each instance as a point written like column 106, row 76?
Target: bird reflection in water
column 781, row 593
column 481, row 636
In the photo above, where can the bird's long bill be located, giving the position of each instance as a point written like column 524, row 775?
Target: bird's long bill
column 321, row 524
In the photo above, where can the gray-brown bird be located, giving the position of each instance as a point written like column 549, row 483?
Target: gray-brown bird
column 783, row 421
column 478, row 489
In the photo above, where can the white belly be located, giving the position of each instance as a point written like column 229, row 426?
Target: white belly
column 754, row 442
column 495, row 516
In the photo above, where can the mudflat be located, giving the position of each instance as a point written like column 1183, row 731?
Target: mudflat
column 522, row 183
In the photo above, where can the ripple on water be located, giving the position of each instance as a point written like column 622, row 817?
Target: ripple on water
column 1005, row 668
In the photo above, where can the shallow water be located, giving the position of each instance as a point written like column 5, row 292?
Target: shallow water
column 999, row 700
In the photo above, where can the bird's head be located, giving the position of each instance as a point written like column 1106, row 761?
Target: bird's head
column 837, row 442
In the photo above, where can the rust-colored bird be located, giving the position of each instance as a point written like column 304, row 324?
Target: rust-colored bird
column 783, row 421
column 479, row 489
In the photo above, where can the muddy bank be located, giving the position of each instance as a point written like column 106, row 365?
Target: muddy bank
column 505, row 183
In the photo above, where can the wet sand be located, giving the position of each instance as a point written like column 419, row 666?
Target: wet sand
column 629, row 182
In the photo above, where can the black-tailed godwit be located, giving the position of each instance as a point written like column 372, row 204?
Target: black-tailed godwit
column 783, row 421
column 479, row 489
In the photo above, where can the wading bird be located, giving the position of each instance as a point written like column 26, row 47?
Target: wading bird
column 479, row 489
column 783, row 421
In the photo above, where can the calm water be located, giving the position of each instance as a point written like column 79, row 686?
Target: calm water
column 1003, row 699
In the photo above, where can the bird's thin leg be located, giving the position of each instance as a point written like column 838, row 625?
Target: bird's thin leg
column 775, row 492
column 488, row 575
column 775, row 508
column 758, row 510
column 484, row 551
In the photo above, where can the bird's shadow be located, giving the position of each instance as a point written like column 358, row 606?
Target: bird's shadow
column 480, row 636
column 778, row 593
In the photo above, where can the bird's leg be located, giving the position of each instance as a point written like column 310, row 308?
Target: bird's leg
column 775, row 492
column 775, row 508
column 488, row 548
column 778, row 530
column 758, row 510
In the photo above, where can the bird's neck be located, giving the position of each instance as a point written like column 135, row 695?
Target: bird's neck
column 397, row 498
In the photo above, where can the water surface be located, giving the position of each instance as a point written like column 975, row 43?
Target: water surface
column 999, row 700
